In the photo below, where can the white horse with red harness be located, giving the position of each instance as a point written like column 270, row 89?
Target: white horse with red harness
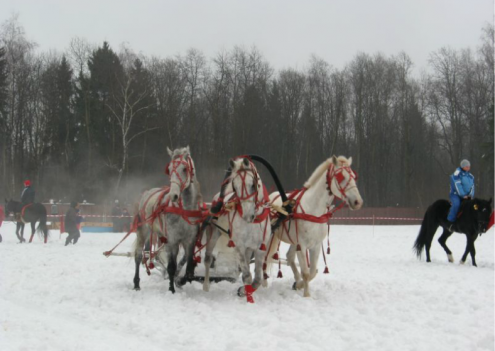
column 244, row 217
column 305, row 229
column 169, row 217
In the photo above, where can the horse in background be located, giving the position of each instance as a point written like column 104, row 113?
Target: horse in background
column 244, row 217
column 472, row 220
column 31, row 213
column 168, row 216
column 306, row 227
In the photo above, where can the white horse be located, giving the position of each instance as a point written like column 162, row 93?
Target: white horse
column 306, row 228
column 245, row 217
column 168, row 217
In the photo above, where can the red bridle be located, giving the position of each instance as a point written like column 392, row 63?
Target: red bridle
column 175, row 164
column 242, row 174
column 339, row 177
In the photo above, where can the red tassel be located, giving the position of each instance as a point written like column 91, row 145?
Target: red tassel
column 298, row 247
column 279, row 275
column 198, row 243
column 249, row 293
column 326, row 271
column 328, row 250
column 197, row 259
column 151, row 265
column 265, row 276
column 275, row 256
column 231, row 244
column 264, row 266
column 263, row 247
column 163, row 240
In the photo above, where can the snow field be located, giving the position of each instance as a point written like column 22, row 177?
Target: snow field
column 378, row 296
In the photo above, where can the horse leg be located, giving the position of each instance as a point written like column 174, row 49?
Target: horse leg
column 189, row 258
column 443, row 242
column 468, row 249
column 314, row 256
column 247, row 279
column 212, row 241
column 473, row 250
column 301, row 257
column 173, row 251
column 291, row 261
column 138, row 255
column 17, row 232
column 32, row 231
column 259, row 256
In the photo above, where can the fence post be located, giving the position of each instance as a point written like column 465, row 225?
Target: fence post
column 373, row 225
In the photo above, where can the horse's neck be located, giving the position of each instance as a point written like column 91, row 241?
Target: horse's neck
column 191, row 196
column 317, row 198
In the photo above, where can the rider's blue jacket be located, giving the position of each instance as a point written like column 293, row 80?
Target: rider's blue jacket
column 462, row 183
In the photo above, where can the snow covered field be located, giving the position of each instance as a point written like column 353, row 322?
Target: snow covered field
column 378, row 296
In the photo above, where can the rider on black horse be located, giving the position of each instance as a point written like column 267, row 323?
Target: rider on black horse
column 461, row 187
column 27, row 195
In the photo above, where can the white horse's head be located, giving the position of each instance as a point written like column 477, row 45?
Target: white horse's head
column 180, row 171
column 342, row 182
column 245, row 183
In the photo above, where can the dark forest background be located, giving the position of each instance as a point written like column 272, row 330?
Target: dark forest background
column 93, row 123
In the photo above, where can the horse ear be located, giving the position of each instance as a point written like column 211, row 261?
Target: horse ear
column 188, row 150
column 350, row 161
column 245, row 162
column 170, row 152
column 232, row 163
column 334, row 160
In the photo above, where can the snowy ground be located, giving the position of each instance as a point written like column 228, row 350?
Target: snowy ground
column 378, row 296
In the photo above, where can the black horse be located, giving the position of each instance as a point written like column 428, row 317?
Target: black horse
column 472, row 220
column 31, row 213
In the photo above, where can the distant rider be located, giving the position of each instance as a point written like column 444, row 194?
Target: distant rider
column 461, row 187
column 27, row 195
column 71, row 223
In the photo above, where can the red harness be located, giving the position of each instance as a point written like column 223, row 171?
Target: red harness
column 299, row 213
column 192, row 217
column 237, row 199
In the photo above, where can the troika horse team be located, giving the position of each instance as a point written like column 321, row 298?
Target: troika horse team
column 247, row 219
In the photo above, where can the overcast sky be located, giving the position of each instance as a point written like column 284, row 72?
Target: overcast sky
column 285, row 32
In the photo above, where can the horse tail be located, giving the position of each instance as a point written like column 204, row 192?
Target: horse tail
column 426, row 232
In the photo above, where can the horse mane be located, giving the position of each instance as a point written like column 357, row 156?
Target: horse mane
column 321, row 169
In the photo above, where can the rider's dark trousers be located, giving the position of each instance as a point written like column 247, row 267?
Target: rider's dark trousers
column 73, row 236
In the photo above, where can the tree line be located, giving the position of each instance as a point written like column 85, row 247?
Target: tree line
column 94, row 122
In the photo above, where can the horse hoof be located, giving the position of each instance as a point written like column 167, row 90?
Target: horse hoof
column 451, row 258
column 462, row 262
column 241, row 292
column 137, row 288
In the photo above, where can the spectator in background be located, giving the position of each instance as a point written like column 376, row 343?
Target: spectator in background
column 116, row 220
column 2, row 217
column 71, row 223
column 54, row 208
